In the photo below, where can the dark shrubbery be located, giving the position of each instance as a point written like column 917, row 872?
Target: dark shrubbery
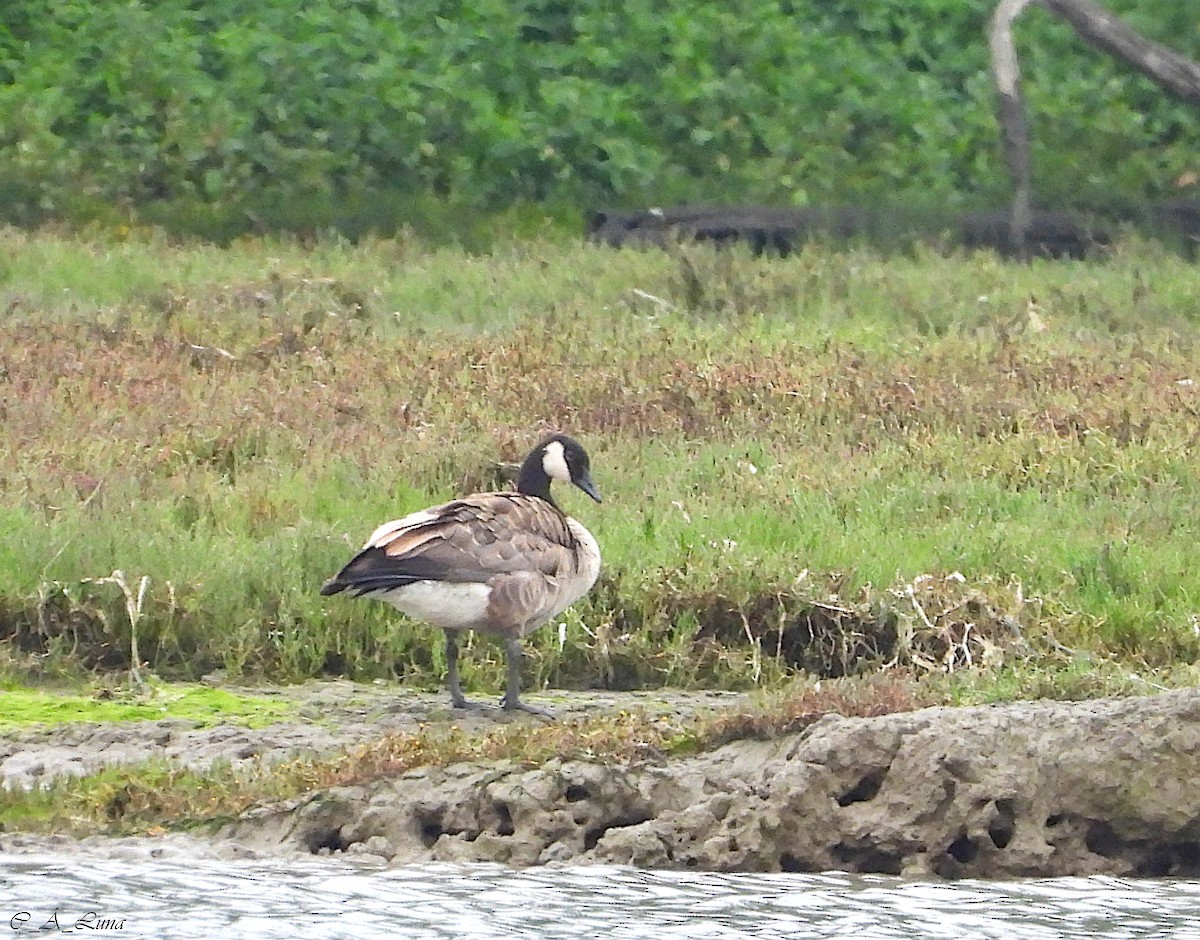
column 219, row 115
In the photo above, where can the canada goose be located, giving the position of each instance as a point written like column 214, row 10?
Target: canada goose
column 502, row 563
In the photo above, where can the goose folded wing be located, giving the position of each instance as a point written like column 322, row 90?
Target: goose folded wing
column 466, row 542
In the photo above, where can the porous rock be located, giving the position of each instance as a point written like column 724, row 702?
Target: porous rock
column 1025, row 789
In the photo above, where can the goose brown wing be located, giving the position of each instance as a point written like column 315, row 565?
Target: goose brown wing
column 468, row 540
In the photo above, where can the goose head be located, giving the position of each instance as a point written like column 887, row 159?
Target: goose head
column 557, row 457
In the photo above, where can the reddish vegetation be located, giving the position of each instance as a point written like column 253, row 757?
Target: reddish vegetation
column 157, row 402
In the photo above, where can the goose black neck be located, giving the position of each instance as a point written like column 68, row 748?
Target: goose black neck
column 533, row 479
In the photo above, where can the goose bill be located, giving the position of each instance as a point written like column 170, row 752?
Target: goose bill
column 589, row 487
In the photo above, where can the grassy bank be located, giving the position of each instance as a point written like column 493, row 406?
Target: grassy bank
column 825, row 463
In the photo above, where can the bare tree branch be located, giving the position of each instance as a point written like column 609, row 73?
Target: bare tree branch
column 1098, row 27
column 1014, row 128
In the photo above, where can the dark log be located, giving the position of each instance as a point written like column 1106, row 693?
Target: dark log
column 767, row 230
column 781, row 231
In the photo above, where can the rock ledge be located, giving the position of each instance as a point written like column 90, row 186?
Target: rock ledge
column 1025, row 789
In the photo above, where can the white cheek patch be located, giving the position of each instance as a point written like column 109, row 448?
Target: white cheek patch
column 554, row 462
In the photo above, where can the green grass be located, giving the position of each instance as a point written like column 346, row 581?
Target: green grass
column 822, row 463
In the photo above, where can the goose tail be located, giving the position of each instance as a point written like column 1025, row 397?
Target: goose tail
column 333, row 586
column 369, row 572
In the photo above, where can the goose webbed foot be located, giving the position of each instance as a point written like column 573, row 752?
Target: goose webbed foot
column 515, row 704
column 458, row 701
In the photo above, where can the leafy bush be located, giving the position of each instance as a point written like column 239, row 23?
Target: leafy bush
column 220, row 115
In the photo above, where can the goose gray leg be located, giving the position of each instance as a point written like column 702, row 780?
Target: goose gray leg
column 512, row 698
column 457, row 699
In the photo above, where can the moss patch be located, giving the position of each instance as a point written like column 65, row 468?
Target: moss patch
column 23, row 707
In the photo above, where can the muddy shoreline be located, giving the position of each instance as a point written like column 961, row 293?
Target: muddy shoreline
column 328, row 715
column 1023, row 789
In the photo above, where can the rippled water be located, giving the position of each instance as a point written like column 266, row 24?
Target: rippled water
column 329, row 899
